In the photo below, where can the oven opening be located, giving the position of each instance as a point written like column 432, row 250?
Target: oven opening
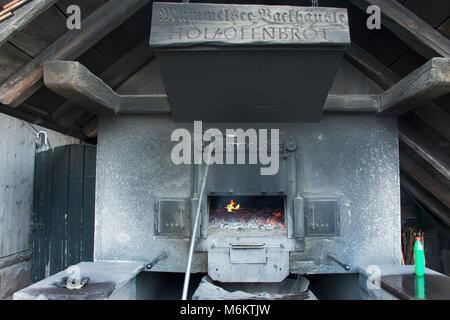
column 247, row 215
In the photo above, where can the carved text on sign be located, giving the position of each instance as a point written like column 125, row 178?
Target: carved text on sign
column 186, row 24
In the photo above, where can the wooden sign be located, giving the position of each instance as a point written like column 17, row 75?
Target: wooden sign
column 186, row 24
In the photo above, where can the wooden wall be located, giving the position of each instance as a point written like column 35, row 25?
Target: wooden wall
column 17, row 156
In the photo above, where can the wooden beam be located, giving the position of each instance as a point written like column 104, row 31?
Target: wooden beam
column 70, row 46
column 144, row 104
column 114, row 76
column 436, row 118
column 371, row 67
column 352, row 103
column 433, row 155
column 421, row 86
column 68, row 113
column 431, row 204
column 22, row 17
column 91, row 128
column 42, row 121
column 159, row 104
column 128, row 65
column 430, row 113
column 15, row 259
column 430, row 183
column 408, row 27
column 76, row 83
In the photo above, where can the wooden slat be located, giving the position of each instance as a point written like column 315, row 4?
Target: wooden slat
column 59, row 210
column 352, row 103
column 371, row 67
column 41, row 32
column 144, row 104
column 439, row 190
column 429, row 13
column 90, row 129
column 68, row 113
column 15, row 259
column 71, row 45
column 433, row 155
column 129, row 64
column 11, row 60
column 436, row 118
column 39, row 216
column 75, row 205
column 423, row 85
column 39, row 120
column 409, row 28
column 431, row 204
column 16, row 157
column 90, row 158
column 22, row 17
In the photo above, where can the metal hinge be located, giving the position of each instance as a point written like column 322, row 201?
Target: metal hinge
column 37, row 226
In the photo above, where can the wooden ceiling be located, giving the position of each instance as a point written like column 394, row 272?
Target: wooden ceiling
column 413, row 32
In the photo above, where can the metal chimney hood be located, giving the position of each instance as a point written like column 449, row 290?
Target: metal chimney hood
column 248, row 63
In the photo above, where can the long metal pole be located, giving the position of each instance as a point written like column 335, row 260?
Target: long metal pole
column 187, row 277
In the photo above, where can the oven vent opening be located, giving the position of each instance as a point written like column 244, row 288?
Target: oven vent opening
column 247, row 214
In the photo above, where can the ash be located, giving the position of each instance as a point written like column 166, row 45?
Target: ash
column 247, row 219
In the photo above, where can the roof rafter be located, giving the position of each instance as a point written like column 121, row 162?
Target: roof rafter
column 22, row 17
column 20, row 86
column 408, row 27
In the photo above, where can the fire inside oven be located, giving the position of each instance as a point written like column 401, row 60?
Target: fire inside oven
column 247, row 214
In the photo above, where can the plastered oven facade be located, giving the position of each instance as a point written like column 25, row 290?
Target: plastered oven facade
column 351, row 160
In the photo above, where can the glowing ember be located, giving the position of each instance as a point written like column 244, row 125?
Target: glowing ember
column 232, row 206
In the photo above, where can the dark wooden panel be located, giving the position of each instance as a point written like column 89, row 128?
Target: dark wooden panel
column 386, row 47
column 11, row 60
column 85, row 118
column 64, row 204
column 22, row 16
column 94, row 61
column 90, row 158
column 408, row 63
column 41, row 210
column 75, row 205
column 434, row 12
column 444, row 28
column 41, row 32
column 46, row 100
column 138, row 25
column 114, row 45
column 60, row 188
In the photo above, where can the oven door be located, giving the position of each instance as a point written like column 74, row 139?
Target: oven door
column 248, row 260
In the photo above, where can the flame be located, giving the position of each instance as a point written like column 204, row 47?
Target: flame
column 231, row 206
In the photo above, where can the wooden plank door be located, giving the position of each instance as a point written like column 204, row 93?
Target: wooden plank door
column 63, row 209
